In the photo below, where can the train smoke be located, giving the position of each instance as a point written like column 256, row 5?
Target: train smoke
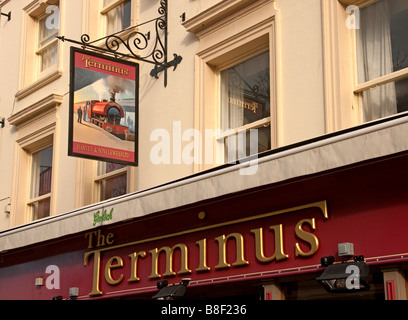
column 117, row 85
column 99, row 88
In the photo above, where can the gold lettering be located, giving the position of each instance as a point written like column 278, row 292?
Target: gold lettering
column 245, row 104
column 169, row 261
column 133, row 268
column 278, row 254
column 307, row 237
column 89, row 63
column 307, row 245
column 113, row 263
column 109, row 238
column 90, row 235
column 101, row 238
column 202, row 244
column 239, row 243
column 96, row 271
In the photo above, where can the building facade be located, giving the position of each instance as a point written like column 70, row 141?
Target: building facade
column 276, row 137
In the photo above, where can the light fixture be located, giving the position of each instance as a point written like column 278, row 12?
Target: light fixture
column 39, row 282
column 73, row 293
column 345, row 277
column 162, row 284
column 173, row 292
column 345, row 249
column 326, row 261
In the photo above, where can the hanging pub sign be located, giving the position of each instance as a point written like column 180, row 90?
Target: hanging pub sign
column 103, row 122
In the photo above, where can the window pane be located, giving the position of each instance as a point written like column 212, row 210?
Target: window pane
column 399, row 39
column 243, row 145
column 382, row 44
column 382, row 47
column 41, row 209
column 41, row 172
column 385, row 100
column 107, row 167
column 41, row 178
column 119, row 17
column 107, row 2
column 114, row 187
column 245, row 92
column 245, row 99
column 402, row 95
column 49, row 57
column 45, row 34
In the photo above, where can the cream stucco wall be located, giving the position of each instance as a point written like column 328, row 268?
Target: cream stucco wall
column 301, row 77
column 160, row 106
column 6, row 103
column 299, row 93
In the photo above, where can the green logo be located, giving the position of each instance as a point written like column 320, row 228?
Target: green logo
column 104, row 217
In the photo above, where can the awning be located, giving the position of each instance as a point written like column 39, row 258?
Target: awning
column 367, row 142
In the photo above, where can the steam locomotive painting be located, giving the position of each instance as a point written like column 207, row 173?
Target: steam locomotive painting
column 103, row 108
column 106, row 115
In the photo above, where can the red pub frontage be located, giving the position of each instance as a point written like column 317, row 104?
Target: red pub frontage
column 260, row 243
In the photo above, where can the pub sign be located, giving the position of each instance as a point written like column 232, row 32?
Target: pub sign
column 103, row 115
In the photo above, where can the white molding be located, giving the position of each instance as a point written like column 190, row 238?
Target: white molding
column 341, row 109
column 38, row 84
column 214, row 14
column 30, row 113
column 394, row 76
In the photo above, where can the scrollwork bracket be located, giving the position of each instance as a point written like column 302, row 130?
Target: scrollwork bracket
column 134, row 44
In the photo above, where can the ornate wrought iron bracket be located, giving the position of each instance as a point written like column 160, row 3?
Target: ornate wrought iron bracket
column 159, row 68
column 138, row 45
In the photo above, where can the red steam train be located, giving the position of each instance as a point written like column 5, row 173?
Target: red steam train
column 106, row 115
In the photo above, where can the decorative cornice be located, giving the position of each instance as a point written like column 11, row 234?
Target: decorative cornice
column 3, row 3
column 216, row 13
column 37, row 7
column 50, row 102
column 38, row 84
column 357, row 2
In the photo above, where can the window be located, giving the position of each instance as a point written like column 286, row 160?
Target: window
column 245, row 106
column 382, row 59
column 40, row 62
column 236, row 87
column 111, row 16
column 47, row 50
column 111, row 180
column 34, row 173
column 118, row 15
column 41, row 178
